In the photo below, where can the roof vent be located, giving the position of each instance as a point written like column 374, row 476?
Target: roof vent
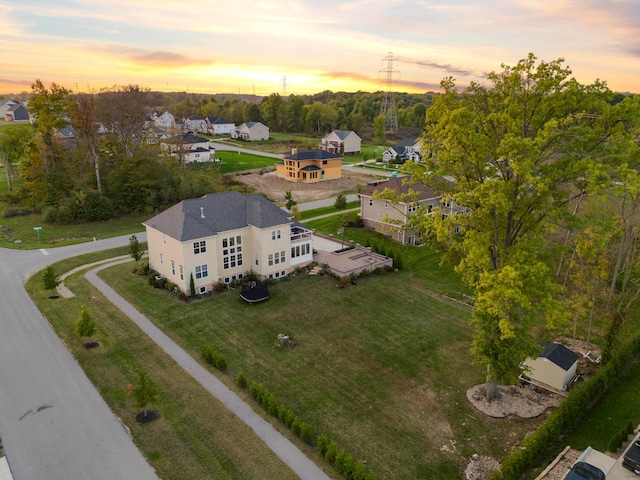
column 202, row 212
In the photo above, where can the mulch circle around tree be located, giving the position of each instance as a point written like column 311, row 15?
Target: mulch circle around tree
column 53, row 297
column 90, row 344
column 147, row 417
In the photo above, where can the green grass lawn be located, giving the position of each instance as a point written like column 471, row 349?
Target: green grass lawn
column 316, row 212
column 233, row 161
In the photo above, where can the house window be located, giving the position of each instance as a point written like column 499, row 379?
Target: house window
column 324, row 162
column 202, row 271
column 270, row 259
column 164, row 239
column 412, row 208
column 276, row 234
column 202, row 290
column 257, row 259
column 232, row 252
column 386, row 204
column 371, row 202
column 161, row 261
column 429, row 208
column 173, row 268
column 181, row 273
column 199, row 247
column 282, row 256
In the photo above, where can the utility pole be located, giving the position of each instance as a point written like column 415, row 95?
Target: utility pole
column 388, row 107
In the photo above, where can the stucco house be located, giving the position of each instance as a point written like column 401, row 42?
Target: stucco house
column 392, row 218
column 192, row 148
column 555, row 366
column 222, row 237
column 341, row 142
column 407, row 149
column 310, row 166
column 217, row 126
column 251, row 132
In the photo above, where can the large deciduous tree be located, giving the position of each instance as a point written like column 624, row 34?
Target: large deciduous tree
column 517, row 153
column 85, row 123
column 13, row 144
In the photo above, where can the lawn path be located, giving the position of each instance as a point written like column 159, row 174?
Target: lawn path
column 280, row 445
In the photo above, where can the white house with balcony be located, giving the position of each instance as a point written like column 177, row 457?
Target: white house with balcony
column 223, row 237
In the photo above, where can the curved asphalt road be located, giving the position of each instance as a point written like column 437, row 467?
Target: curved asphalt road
column 53, row 422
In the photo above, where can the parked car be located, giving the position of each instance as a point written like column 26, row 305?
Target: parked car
column 584, row 471
column 631, row 458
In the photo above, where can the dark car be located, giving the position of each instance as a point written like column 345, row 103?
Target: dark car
column 584, row 471
column 631, row 458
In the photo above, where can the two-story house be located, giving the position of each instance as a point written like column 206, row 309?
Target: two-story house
column 341, row 142
column 191, row 148
column 391, row 218
column 221, row 237
column 251, row 132
column 194, row 123
column 217, row 126
column 407, row 149
column 309, row 166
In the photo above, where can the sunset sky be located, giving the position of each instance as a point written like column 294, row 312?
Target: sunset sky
column 305, row 46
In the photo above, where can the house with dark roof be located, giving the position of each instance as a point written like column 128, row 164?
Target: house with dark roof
column 390, row 216
column 217, row 126
column 554, row 366
column 407, row 149
column 166, row 120
column 341, row 142
column 16, row 112
column 309, row 166
column 222, row 237
column 190, row 148
column 251, row 132
column 193, row 123
column 5, row 105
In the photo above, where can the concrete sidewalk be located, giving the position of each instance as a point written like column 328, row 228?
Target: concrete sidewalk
column 280, row 445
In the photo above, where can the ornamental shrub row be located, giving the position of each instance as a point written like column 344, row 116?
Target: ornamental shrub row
column 215, row 358
column 569, row 413
column 341, row 460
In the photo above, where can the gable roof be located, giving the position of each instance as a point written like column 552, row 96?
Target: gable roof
column 559, row 354
column 341, row 134
column 187, row 138
column 218, row 121
column 424, row 192
column 310, row 155
column 222, row 212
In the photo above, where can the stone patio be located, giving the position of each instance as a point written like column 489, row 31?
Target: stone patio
column 352, row 261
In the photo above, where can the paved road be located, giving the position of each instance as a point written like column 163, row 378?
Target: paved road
column 53, row 422
column 281, row 446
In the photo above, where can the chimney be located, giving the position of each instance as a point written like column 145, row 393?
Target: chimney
column 294, row 151
column 202, row 212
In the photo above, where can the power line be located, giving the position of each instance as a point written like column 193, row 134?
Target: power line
column 388, row 107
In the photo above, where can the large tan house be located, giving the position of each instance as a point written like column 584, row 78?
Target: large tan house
column 343, row 142
column 391, row 218
column 310, row 166
column 222, row 237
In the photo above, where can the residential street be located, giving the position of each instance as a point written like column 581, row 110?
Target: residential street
column 53, row 422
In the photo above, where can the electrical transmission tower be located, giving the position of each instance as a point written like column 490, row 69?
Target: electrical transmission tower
column 388, row 107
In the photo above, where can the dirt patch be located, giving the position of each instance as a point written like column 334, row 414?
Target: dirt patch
column 521, row 401
column 274, row 186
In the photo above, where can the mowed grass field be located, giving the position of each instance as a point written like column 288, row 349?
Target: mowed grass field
column 381, row 367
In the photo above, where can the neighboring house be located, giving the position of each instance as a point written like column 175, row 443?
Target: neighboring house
column 166, row 121
column 251, row 132
column 218, row 126
column 310, row 166
column 341, row 142
column 192, row 148
column 389, row 218
column 407, row 149
column 555, row 366
column 5, row 105
column 193, row 123
column 154, row 134
column 16, row 113
column 222, row 237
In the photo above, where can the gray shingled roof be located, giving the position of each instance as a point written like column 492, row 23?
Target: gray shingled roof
column 310, row 155
column 559, row 354
column 402, row 188
column 222, row 211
